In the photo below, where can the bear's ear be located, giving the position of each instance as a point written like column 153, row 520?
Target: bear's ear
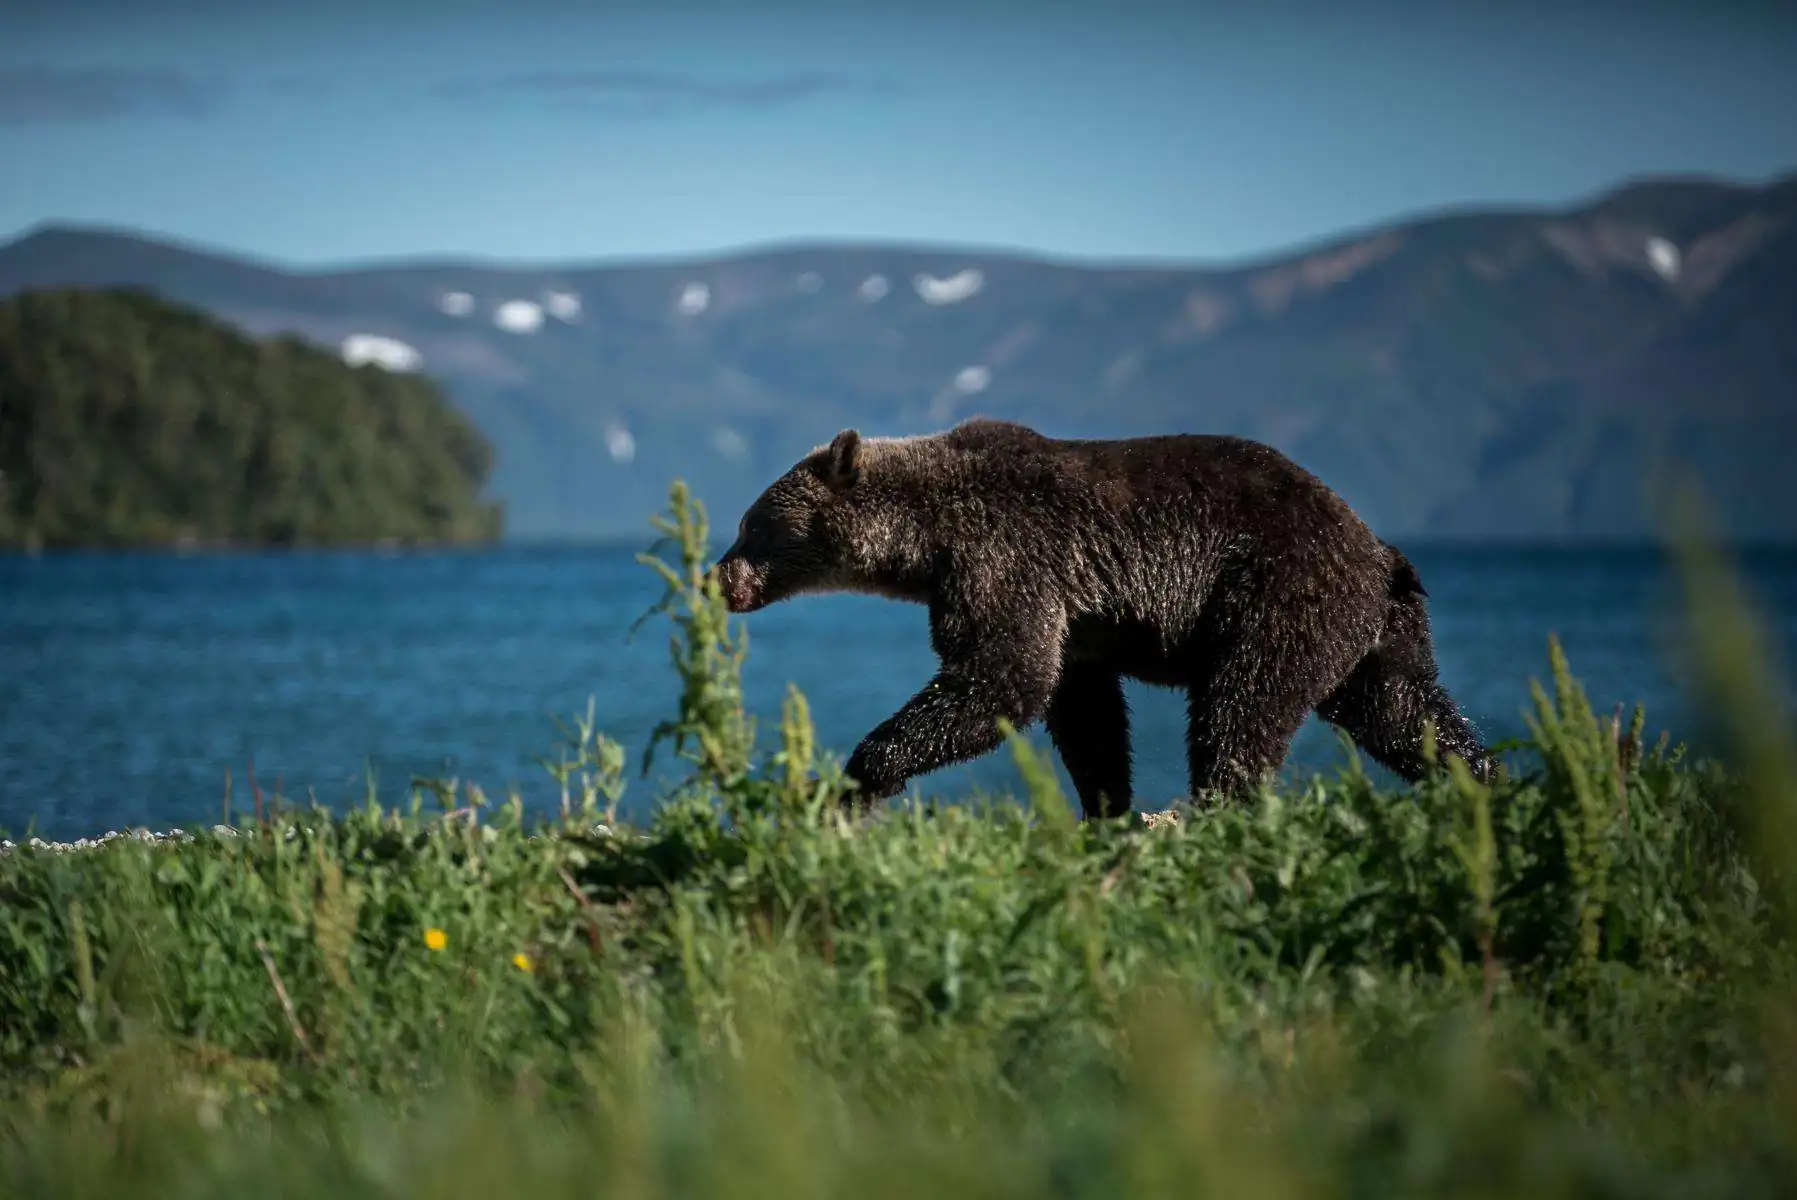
column 842, row 461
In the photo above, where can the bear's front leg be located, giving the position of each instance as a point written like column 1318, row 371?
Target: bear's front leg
column 953, row 719
column 990, row 669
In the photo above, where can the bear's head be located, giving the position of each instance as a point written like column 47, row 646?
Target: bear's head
column 802, row 534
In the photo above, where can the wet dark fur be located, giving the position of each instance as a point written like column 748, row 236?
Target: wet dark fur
column 1053, row 569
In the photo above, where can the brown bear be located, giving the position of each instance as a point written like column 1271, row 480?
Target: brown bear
column 1054, row 568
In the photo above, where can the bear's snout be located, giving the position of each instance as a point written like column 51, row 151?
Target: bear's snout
column 737, row 582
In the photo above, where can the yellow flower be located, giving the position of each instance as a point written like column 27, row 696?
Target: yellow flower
column 436, row 939
column 522, row 962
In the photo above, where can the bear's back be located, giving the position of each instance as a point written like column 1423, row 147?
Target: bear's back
column 1220, row 479
column 1144, row 527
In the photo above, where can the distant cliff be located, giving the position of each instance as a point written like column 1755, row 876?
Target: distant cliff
column 1501, row 374
column 125, row 420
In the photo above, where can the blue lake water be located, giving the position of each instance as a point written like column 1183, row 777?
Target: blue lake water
column 131, row 683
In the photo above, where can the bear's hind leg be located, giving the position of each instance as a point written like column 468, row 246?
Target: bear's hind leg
column 1382, row 707
column 1383, row 702
column 1088, row 721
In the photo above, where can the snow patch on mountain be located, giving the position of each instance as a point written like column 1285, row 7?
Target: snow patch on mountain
column 955, row 288
column 388, row 353
column 519, row 316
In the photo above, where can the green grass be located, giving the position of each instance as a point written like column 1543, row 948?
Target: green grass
column 1577, row 983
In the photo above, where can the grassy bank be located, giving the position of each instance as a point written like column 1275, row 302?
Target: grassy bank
column 1576, row 983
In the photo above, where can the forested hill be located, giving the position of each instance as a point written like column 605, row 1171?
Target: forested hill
column 127, row 420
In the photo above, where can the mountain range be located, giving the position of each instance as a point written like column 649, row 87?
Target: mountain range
column 1514, row 374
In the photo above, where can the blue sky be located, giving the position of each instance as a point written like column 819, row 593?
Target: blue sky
column 327, row 132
